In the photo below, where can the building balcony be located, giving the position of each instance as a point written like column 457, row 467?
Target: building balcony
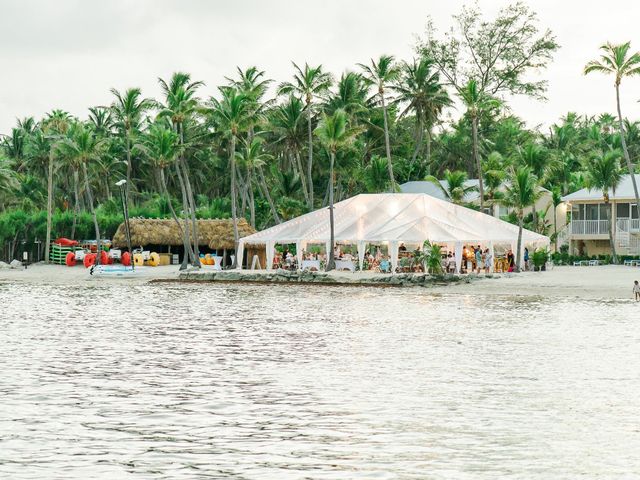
column 589, row 227
column 601, row 227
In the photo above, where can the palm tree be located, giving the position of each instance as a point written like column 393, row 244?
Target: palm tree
column 8, row 179
column 616, row 60
column 70, row 158
column 380, row 74
column 55, row 126
column 309, row 83
column 162, row 146
column 534, row 156
column 556, row 200
column 351, row 96
column 230, row 115
column 128, row 110
column 476, row 102
column 376, row 178
column 521, row 193
column 494, row 175
column 286, row 122
column 604, row 174
column 455, row 187
column 334, row 133
column 181, row 105
column 420, row 90
column 253, row 157
column 81, row 147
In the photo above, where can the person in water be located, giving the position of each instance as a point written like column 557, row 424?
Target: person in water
column 636, row 290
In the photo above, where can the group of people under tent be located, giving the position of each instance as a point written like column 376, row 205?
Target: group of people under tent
column 475, row 259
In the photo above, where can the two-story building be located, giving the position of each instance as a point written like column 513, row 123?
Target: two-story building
column 588, row 230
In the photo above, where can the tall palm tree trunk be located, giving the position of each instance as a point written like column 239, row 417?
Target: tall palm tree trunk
column 427, row 155
column 76, row 206
column 47, row 246
column 624, row 146
column 242, row 191
column 519, row 246
column 188, row 252
column 267, row 195
column 310, row 160
column 192, row 211
column 192, row 203
column 419, row 136
column 555, row 226
column 234, row 208
column 476, row 159
column 252, row 202
column 387, row 143
column 303, row 177
column 331, row 264
column 129, row 167
column 93, row 211
column 614, row 256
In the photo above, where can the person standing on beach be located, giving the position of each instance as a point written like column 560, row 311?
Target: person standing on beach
column 636, row 290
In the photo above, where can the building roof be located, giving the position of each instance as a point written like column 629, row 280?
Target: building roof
column 395, row 217
column 430, row 189
column 216, row 233
column 623, row 192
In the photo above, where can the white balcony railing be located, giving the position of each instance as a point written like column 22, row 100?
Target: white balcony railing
column 628, row 225
column 589, row 227
column 601, row 227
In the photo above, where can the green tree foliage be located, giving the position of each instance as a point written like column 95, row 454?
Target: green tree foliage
column 248, row 150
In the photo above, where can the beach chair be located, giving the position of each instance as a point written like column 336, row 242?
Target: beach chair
column 594, row 263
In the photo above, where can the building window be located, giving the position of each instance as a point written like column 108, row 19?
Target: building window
column 634, row 211
column 622, row 210
column 604, row 211
column 591, row 211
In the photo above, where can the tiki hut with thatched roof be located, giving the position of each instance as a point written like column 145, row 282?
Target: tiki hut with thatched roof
column 163, row 235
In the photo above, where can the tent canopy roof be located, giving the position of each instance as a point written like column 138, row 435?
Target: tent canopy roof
column 400, row 217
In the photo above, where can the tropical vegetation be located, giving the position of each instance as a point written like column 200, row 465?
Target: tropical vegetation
column 268, row 151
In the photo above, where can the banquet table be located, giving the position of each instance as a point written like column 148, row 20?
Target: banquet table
column 345, row 265
column 311, row 264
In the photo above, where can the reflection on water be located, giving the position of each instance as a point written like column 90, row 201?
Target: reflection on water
column 285, row 382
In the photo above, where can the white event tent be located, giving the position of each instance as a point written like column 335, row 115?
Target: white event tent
column 392, row 219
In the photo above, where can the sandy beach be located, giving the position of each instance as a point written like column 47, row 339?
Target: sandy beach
column 606, row 282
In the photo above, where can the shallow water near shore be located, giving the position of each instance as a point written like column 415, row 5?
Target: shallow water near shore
column 184, row 381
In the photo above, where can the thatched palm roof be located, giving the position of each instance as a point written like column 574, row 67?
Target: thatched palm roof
column 216, row 233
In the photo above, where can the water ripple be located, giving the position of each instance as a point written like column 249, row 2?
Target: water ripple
column 291, row 382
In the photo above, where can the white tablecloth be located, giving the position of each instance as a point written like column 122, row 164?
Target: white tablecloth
column 310, row 264
column 345, row 265
column 218, row 262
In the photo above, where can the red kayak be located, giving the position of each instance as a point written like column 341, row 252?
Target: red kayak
column 65, row 242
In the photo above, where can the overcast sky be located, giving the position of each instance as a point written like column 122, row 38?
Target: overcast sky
column 68, row 53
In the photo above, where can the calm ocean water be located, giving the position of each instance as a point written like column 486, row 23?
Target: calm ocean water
column 172, row 381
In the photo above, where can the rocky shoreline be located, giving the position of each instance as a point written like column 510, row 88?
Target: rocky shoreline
column 322, row 278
